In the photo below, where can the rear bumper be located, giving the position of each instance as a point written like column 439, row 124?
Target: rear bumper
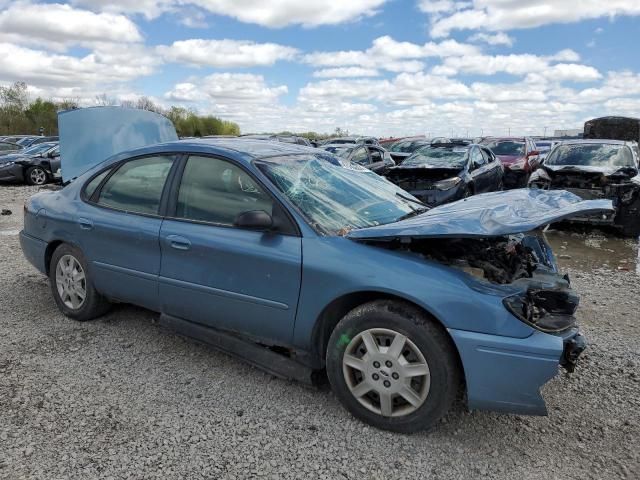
column 505, row 374
column 34, row 250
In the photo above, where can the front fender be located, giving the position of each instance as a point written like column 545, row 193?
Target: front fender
column 334, row 267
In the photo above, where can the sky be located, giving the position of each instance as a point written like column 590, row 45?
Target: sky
column 374, row 67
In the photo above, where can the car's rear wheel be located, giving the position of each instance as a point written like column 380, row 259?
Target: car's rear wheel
column 72, row 287
column 36, row 176
column 392, row 366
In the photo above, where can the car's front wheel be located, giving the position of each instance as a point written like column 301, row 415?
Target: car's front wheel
column 72, row 287
column 36, row 176
column 392, row 366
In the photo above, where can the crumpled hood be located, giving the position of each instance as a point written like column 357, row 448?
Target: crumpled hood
column 488, row 215
column 89, row 136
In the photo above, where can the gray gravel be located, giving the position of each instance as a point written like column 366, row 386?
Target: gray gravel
column 121, row 397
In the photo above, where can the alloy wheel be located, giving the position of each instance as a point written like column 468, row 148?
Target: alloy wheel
column 38, row 176
column 71, row 282
column 386, row 372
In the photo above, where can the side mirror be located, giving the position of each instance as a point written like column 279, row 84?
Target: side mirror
column 475, row 165
column 533, row 153
column 254, row 220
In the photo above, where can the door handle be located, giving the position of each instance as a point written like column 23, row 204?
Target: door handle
column 85, row 224
column 178, row 242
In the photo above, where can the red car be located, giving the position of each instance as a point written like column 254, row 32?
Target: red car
column 518, row 156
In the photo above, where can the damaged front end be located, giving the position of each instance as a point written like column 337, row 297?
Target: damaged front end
column 538, row 294
column 513, row 321
column 622, row 186
column 432, row 186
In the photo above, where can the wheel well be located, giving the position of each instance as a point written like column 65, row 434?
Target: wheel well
column 339, row 307
column 48, row 253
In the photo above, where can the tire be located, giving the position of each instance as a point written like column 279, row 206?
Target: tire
column 66, row 263
column 351, row 370
column 36, row 176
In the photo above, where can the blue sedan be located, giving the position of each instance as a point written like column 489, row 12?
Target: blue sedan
column 302, row 263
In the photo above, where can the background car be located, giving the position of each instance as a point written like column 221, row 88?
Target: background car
column 36, row 165
column 442, row 173
column 279, row 138
column 404, row 148
column 352, row 140
column 375, row 158
column 543, row 148
column 518, row 156
column 34, row 140
column 596, row 169
column 9, row 147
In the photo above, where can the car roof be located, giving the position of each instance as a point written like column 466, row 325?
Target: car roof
column 241, row 149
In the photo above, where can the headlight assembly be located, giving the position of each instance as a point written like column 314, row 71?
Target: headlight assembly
column 447, row 184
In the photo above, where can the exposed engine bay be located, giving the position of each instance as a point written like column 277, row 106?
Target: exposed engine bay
column 619, row 186
column 411, row 179
column 545, row 299
column 500, row 260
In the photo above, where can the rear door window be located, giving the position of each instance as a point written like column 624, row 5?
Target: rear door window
column 137, row 185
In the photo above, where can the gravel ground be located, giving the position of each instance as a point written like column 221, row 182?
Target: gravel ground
column 121, row 397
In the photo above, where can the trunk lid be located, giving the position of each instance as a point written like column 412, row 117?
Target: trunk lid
column 89, row 136
column 490, row 214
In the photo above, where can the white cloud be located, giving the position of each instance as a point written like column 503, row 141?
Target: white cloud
column 501, row 15
column 342, row 72
column 228, row 89
column 389, row 54
column 104, row 66
column 521, row 65
column 58, row 26
column 226, row 53
column 499, row 38
column 268, row 13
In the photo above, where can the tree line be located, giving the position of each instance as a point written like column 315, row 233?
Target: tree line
column 21, row 115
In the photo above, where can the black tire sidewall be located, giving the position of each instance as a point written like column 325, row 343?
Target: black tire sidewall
column 94, row 304
column 426, row 336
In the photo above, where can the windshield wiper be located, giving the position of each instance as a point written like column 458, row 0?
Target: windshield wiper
column 414, row 213
column 412, row 200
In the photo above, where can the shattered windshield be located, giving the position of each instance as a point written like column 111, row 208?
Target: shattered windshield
column 592, row 155
column 438, row 158
column 507, row 147
column 335, row 198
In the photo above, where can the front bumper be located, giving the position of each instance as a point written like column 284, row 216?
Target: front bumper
column 515, row 178
column 436, row 197
column 505, row 374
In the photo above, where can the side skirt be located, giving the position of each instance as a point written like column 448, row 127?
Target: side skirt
column 255, row 354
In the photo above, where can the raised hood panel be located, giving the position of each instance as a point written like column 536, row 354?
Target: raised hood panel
column 488, row 215
column 89, row 136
